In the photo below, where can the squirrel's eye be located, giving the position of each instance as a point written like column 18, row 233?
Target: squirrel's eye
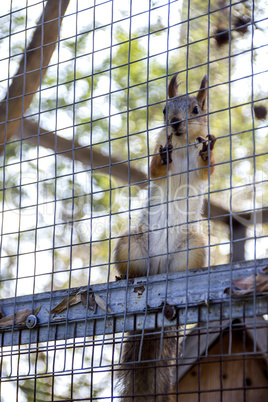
column 164, row 110
column 195, row 110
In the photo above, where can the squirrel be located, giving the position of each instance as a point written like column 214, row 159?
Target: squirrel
column 166, row 237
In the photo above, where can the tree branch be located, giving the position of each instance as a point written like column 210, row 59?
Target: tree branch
column 119, row 170
column 87, row 155
column 32, row 68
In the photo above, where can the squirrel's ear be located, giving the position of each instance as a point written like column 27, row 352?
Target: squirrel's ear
column 173, row 87
column 202, row 93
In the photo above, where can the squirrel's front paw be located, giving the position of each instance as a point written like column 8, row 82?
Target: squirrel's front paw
column 207, row 144
column 166, row 152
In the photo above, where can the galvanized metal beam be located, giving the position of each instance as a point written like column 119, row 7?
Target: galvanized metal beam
column 115, row 307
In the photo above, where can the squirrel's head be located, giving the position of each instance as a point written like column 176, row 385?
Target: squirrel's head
column 186, row 114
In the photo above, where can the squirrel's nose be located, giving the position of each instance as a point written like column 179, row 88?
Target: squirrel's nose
column 176, row 124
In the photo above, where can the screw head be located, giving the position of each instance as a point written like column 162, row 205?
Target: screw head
column 170, row 312
column 31, row 321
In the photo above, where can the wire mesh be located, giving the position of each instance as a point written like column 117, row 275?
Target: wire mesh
column 83, row 87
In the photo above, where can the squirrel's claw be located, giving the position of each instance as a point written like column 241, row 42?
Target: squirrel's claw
column 212, row 140
column 207, row 144
column 200, row 139
column 166, row 152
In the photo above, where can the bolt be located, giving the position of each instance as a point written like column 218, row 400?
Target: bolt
column 31, row 321
column 170, row 312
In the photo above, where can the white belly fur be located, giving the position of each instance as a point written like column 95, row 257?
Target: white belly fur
column 174, row 208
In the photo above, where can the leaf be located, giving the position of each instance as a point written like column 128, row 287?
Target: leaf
column 251, row 284
column 91, row 301
column 36, row 311
column 102, row 304
column 73, row 299
column 20, row 318
column 80, row 297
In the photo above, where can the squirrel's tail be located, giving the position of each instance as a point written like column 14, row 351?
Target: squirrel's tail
column 152, row 377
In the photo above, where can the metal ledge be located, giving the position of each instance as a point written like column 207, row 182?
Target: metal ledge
column 198, row 296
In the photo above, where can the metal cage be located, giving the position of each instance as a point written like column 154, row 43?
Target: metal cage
column 83, row 87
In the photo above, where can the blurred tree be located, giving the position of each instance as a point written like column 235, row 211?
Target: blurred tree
column 103, row 94
column 108, row 101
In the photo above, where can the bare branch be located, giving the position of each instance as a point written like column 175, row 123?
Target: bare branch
column 85, row 154
column 32, row 68
column 35, row 135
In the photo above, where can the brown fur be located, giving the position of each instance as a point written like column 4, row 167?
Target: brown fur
column 131, row 253
column 148, row 381
column 206, row 167
column 156, row 167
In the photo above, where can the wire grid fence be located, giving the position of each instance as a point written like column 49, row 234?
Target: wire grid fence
column 83, row 88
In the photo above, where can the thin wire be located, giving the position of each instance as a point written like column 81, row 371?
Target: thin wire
column 73, row 192
column 254, row 174
column 55, row 192
column 148, row 206
column 20, row 200
column 5, row 144
column 209, row 171
column 91, row 181
column 169, row 184
column 110, row 186
column 231, row 175
column 129, row 186
column 188, row 181
column 37, row 170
